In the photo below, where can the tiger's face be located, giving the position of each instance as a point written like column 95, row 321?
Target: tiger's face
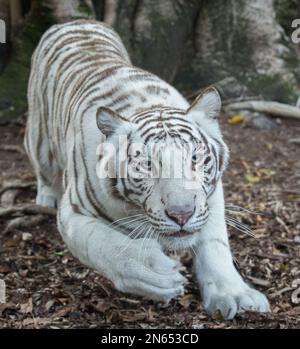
column 167, row 163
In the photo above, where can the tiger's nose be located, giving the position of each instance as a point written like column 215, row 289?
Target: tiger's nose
column 179, row 215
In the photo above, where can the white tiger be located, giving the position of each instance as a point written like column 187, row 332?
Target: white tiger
column 83, row 91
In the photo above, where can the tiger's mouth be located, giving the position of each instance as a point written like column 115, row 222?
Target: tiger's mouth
column 180, row 234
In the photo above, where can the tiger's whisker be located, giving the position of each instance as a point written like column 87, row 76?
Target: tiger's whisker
column 130, row 240
column 241, row 228
column 235, row 208
column 242, row 225
column 125, row 218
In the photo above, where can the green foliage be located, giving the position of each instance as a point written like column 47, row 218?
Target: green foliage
column 286, row 11
column 273, row 88
column 85, row 10
column 14, row 79
column 98, row 9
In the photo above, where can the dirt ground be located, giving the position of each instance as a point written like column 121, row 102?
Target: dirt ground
column 48, row 288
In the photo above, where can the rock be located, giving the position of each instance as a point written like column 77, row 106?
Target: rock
column 259, row 121
column 263, row 123
column 297, row 239
column 230, row 87
column 26, row 236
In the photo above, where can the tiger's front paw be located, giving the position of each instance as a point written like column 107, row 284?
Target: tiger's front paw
column 230, row 303
column 153, row 275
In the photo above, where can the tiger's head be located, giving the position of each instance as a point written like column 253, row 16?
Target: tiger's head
column 166, row 162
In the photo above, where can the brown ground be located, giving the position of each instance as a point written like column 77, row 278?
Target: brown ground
column 48, row 288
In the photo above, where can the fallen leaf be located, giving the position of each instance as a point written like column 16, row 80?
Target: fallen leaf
column 236, row 119
column 27, row 307
column 49, row 304
column 26, row 236
column 266, row 173
column 4, row 269
column 252, row 179
column 62, row 312
column 259, row 282
column 36, row 322
column 284, row 268
column 9, row 305
column 186, row 300
column 258, row 219
column 296, row 296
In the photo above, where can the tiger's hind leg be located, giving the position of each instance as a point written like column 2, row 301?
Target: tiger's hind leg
column 46, row 195
column 48, row 184
column 45, row 166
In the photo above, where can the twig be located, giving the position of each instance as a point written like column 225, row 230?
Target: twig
column 110, row 12
column 291, row 192
column 272, row 257
column 281, row 222
column 272, row 108
column 8, row 198
column 259, row 282
column 240, row 99
column 280, row 292
column 24, row 222
column 27, row 209
column 11, row 186
column 294, row 141
column 12, row 148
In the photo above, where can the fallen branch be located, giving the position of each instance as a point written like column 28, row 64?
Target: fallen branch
column 24, row 222
column 8, row 198
column 294, row 141
column 27, row 209
column 229, row 101
column 13, row 186
column 12, row 148
column 110, row 12
column 259, row 282
column 272, row 257
column 272, row 108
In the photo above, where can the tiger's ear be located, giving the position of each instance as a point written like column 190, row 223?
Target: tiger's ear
column 207, row 105
column 108, row 121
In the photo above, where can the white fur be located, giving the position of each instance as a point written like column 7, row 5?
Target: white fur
column 91, row 239
column 221, row 286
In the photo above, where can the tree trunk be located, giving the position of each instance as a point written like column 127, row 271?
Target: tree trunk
column 44, row 13
column 155, row 32
column 238, row 45
column 5, row 17
column 243, row 47
column 16, row 15
column 243, row 40
column 66, row 10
